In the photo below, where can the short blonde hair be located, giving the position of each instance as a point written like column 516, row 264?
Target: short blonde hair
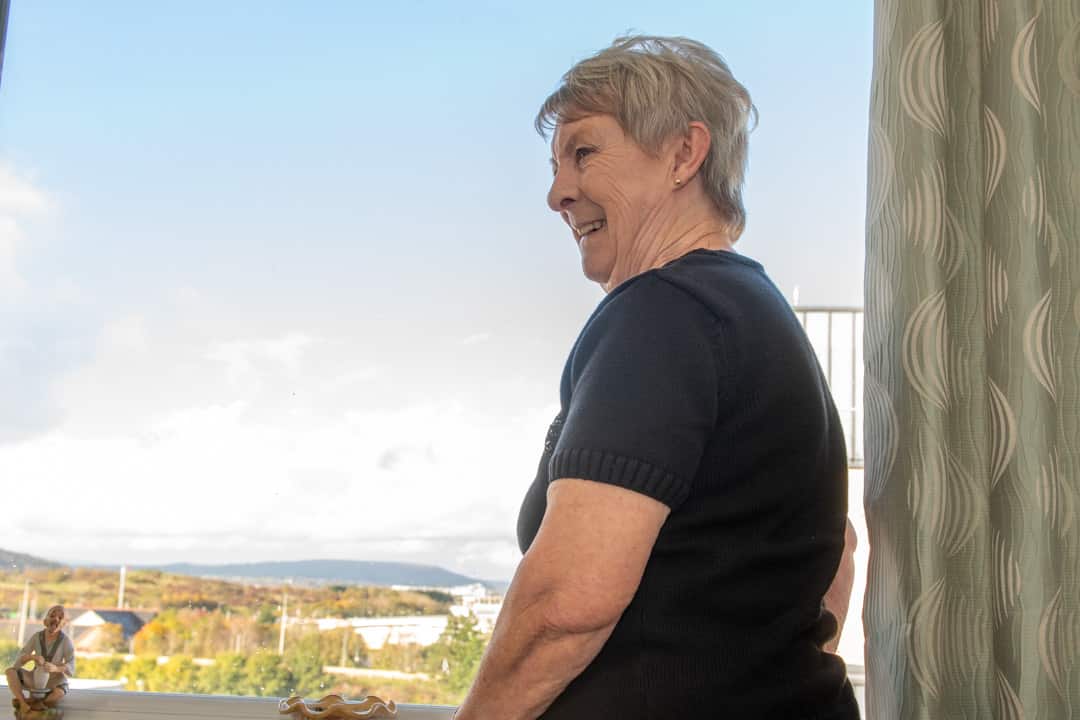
column 655, row 87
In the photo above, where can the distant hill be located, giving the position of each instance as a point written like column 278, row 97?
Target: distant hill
column 327, row 572
column 17, row 562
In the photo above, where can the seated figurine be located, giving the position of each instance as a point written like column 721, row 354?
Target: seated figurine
column 39, row 690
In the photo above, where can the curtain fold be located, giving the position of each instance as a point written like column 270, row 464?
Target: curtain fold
column 972, row 347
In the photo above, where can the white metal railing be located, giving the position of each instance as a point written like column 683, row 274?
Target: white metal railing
column 836, row 334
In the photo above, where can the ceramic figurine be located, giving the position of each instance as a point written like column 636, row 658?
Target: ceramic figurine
column 38, row 691
column 335, row 707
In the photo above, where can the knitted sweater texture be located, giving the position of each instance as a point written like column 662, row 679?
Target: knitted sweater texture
column 695, row 385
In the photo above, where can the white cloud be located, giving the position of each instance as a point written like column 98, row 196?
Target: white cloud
column 41, row 335
column 211, row 473
column 242, row 355
column 193, row 448
column 476, row 338
column 18, row 195
column 349, row 379
column 127, row 335
column 9, row 237
column 19, row 200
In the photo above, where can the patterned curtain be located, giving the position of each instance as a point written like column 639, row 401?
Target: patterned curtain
column 972, row 346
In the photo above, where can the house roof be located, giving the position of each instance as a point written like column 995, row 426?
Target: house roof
column 130, row 621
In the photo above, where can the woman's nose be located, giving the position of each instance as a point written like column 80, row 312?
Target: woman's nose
column 563, row 191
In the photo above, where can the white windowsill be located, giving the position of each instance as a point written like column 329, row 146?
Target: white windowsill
column 122, row 705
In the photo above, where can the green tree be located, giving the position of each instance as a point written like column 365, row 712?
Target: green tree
column 438, row 596
column 267, row 615
column 332, row 644
column 8, row 652
column 164, row 635
column 105, row 668
column 406, row 657
column 141, row 672
column 179, row 675
column 267, row 675
column 227, row 676
column 304, row 658
column 463, row 645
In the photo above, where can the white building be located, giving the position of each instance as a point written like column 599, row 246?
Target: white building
column 378, row 631
column 422, row 629
column 486, row 610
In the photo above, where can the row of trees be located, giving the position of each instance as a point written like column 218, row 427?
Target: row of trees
column 208, row 633
column 451, row 664
column 85, row 587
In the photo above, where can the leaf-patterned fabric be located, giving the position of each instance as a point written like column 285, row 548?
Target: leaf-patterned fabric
column 972, row 346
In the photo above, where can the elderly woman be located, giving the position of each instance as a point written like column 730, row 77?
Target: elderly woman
column 689, row 512
column 53, row 656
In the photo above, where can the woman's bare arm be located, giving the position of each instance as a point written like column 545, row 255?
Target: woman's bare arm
column 570, row 590
column 838, row 596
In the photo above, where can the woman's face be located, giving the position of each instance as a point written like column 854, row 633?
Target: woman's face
column 608, row 190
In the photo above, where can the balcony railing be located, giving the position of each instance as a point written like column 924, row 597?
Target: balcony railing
column 836, row 334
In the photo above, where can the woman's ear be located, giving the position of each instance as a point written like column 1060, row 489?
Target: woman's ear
column 691, row 149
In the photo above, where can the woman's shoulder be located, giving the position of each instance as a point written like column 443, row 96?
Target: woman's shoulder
column 699, row 278
column 730, row 285
column 651, row 300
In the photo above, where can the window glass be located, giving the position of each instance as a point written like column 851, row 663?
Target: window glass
column 278, row 283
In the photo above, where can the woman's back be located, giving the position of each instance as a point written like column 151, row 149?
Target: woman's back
column 728, row 619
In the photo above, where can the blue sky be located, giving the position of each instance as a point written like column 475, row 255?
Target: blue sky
column 295, row 258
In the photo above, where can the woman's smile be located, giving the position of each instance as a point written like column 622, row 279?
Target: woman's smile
column 585, row 230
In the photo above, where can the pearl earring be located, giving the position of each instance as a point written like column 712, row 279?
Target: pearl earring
column 678, row 181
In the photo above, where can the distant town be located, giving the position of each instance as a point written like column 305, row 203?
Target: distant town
column 153, row 630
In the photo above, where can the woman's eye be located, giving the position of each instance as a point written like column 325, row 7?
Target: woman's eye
column 581, row 153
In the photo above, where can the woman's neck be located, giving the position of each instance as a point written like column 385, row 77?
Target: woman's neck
column 705, row 235
column 671, row 233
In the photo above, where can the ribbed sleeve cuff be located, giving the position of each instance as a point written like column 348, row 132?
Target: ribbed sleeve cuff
column 630, row 473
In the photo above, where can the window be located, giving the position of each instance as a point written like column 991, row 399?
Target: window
column 278, row 284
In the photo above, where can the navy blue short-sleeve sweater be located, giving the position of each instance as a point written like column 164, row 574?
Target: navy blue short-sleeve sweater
column 695, row 384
